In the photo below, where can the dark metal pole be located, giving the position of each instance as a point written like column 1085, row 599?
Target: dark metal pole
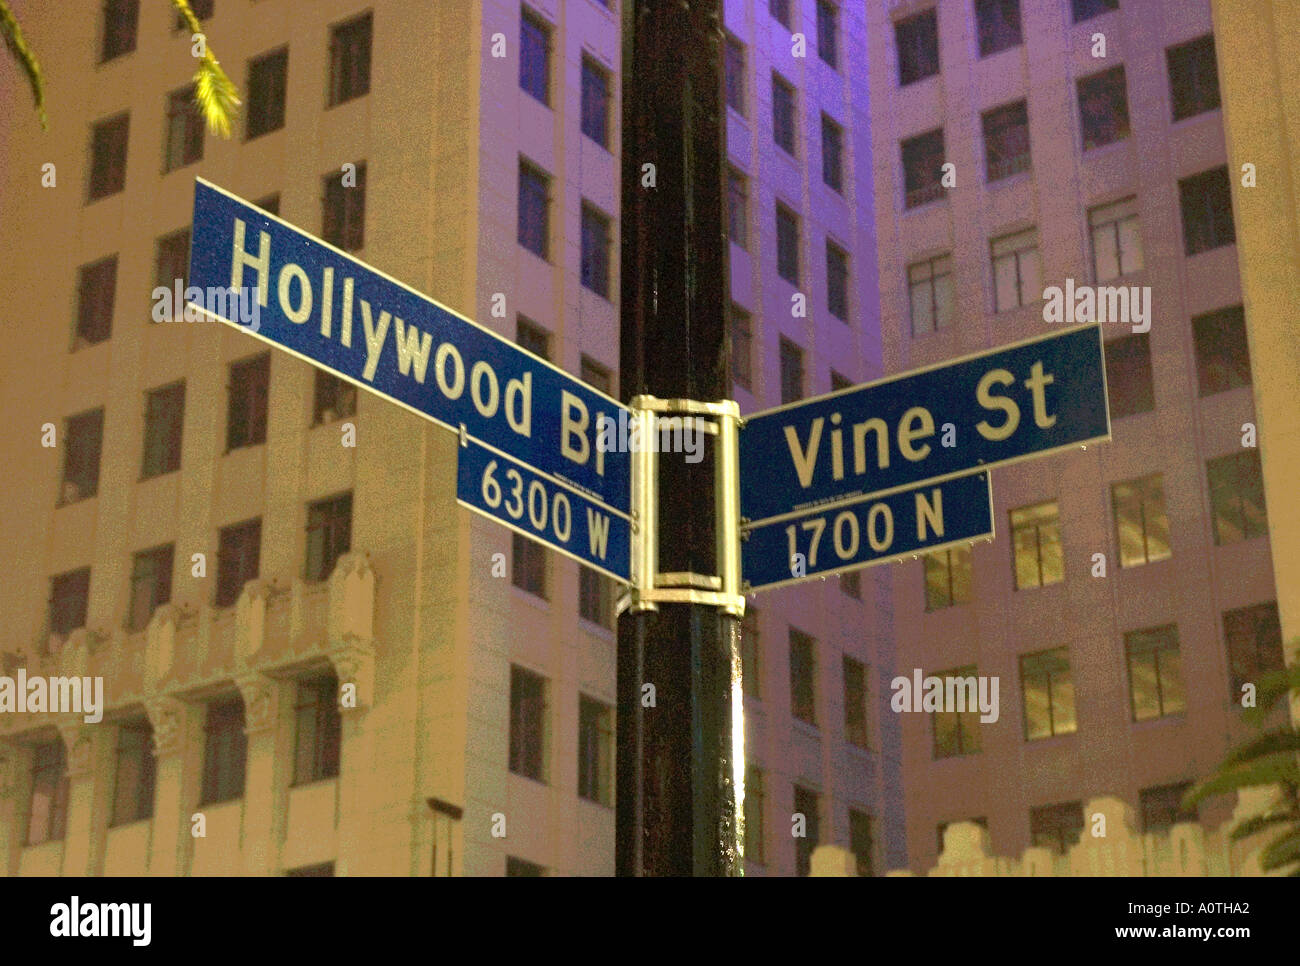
column 675, row 798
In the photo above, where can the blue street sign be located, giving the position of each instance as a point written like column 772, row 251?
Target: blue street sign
column 276, row 282
column 869, row 531
column 1022, row 400
column 508, row 491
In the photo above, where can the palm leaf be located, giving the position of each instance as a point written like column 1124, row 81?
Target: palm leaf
column 1281, row 851
column 1269, row 743
column 1269, row 770
column 1257, row 824
column 17, row 44
column 1271, row 688
column 214, row 92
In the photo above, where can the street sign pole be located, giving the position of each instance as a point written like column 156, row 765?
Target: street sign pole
column 679, row 749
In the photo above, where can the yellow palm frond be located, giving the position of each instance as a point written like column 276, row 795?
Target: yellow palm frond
column 214, row 92
column 17, row 45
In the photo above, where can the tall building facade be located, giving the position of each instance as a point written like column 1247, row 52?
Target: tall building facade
column 313, row 661
column 1128, row 597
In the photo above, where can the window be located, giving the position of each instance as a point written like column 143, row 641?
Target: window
column 1116, row 241
column 1017, row 275
column 1056, row 827
column 1006, row 140
column 266, row 86
column 780, row 11
column 837, row 281
column 1237, row 497
column 151, row 585
column 595, row 251
column 85, row 443
column 751, row 671
column 755, row 802
column 225, row 749
column 184, row 141
column 318, row 730
column 998, row 25
column 322, row 871
column 1048, row 692
column 1103, row 108
column 1141, row 524
column 742, row 342
column 803, row 677
column 1128, row 376
column 595, row 375
column 96, row 291
column 271, row 203
column 922, row 168
column 594, row 596
column 1254, row 637
column 535, row 57
column 851, row 583
column 827, row 28
column 164, row 415
column 791, row 371
column 1155, row 673
column 69, row 594
column 530, row 336
column 855, row 702
column 47, row 813
column 1206, row 201
column 806, row 804
column 528, row 567
column 108, row 156
column 595, row 102
column 1087, row 9
column 246, row 407
column 956, row 733
column 982, row 821
column 734, row 70
column 737, row 208
column 134, row 773
column 1222, row 355
column 1193, row 77
column 534, row 205
column 832, row 155
column 1162, row 807
column 521, row 868
column 1036, row 544
column 239, row 551
column 917, row 39
column 202, row 11
column 343, row 213
column 527, row 724
column 947, row 577
column 861, row 841
column 350, row 60
column 783, row 114
column 329, row 534
column 929, row 285
column 332, row 398
column 595, row 750
column 787, row 244
column 172, row 262
column 121, row 18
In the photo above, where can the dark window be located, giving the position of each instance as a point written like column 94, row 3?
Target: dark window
column 787, row 244
column 522, row 868
column 350, row 60
column 528, row 566
column 917, row 39
column 134, row 774
column 322, row 871
column 184, row 141
column 1087, row 9
column 47, row 812
column 594, row 596
column 1237, row 497
column 1128, row 376
column 1048, row 692
column 1162, row 807
column 267, row 78
column 96, row 292
column 164, row 417
column 742, row 347
column 85, row 442
column 754, row 807
column 595, row 750
column 998, row 25
column 1193, row 77
column 855, row 702
column 832, row 154
column 343, row 213
column 1006, row 140
column 803, row 677
column 806, row 804
column 930, row 294
column 837, row 281
column 527, row 724
column 827, row 33
column 121, row 17
column 595, row 251
column 791, row 371
column 535, row 57
column 1254, row 637
column 1206, row 200
column 271, row 203
column 1155, row 673
column 533, row 338
column 956, row 733
column 851, row 583
column 1037, row 555
column 151, row 585
column 1222, row 355
column 1056, row 827
column 737, row 208
column 202, row 11
column 534, row 204
column 318, row 730
column 783, row 114
column 861, row 841
column 69, row 594
column 239, row 552
column 1103, row 108
column 225, row 750
column 329, row 534
column 172, row 263
column 734, row 67
column 780, row 11
column 595, row 102
column 947, row 577
column 750, row 651
column 108, row 156
column 1141, row 522
column 923, row 168
column 332, row 398
column 246, row 412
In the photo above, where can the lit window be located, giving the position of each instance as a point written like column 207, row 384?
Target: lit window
column 1048, row 692
column 1141, row 523
column 1155, row 673
column 1036, row 545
